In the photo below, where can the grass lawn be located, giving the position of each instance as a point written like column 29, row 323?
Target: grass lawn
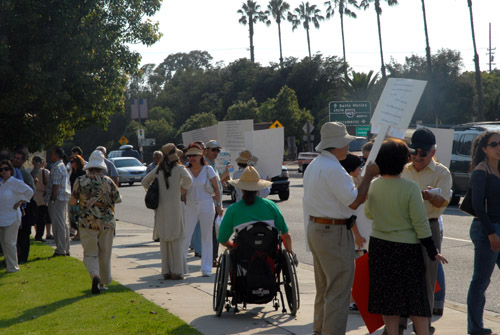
column 52, row 296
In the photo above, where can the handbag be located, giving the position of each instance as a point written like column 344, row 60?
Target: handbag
column 208, row 185
column 466, row 205
column 152, row 198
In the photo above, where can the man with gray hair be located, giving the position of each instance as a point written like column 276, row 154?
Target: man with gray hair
column 112, row 172
column 157, row 156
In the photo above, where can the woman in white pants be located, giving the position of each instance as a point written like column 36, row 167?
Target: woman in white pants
column 13, row 193
column 200, row 205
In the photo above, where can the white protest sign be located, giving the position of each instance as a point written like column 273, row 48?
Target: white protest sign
column 444, row 144
column 231, row 136
column 268, row 146
column 202, row 134
column 395, row 110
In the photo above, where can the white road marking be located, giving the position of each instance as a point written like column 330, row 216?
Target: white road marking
column 457, row 239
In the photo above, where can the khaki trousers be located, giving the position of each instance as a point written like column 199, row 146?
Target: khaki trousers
column 332, row 247
column 58, row 212
column 97, row 246
column 8, row 239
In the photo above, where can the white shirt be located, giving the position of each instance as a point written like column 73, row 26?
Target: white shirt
column 197, row 192
column 328, row 189
column 11, row 192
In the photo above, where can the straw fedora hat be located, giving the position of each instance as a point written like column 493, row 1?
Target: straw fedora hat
column 96, row 161
column 250, row 180
column 170, row 151
column 334, row 135
column 246, row 157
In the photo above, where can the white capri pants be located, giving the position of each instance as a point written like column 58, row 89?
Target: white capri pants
column 204, row 212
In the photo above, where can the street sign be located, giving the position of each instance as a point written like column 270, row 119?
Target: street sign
column 311, row 139
column 363, row 130
column 276, row 124
column 147, row 142
column 123, row 140
column 308, row 126
column 141, row 134
column 139, row 109
column 350, row 113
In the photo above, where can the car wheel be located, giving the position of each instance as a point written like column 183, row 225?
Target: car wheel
column 131, row 183
column 455, row 199
column 284, row 195
column 304, row 167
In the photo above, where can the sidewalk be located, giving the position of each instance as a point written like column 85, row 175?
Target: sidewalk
column 136, row 264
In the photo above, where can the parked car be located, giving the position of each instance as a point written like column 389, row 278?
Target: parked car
column 130, row 169
column 304, row 159
column 461, row 156
column 125, row 151
column 356, row 145
column 280, row 186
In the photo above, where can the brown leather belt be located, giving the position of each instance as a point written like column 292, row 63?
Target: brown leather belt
column 327, row 220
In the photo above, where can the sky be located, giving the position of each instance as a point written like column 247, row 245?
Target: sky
column 213, row 26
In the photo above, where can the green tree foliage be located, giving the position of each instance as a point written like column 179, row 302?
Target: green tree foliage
column 196, row 121
column 278, row 10
column 251, row 14
column 195, row 60
column 491, row 89
column 243, row 111
column 64, row 64
column 306, row 15
column 360, row 86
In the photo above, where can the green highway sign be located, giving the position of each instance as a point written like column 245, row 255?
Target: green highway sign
column 363, row 130
column 350, row 113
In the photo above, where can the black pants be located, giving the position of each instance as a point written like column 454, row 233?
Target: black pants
column 42, row 218
column 215, row 243
column 23, row 236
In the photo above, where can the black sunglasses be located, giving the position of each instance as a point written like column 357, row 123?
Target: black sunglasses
column 215, row 149
column 493, row 144
column 189, row 156
column 5, row 169
column 419, row 152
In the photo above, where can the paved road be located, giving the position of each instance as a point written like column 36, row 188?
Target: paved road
column 457, row 246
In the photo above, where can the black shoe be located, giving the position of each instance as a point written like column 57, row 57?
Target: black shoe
column 56, row 254
column 95, row 285
column 39, row 239
column 437, row 311
column 157, row 240
column 196, row 254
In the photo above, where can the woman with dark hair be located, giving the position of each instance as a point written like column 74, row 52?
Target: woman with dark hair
column 13, row 193
column 253, row 208
column 173, row 179
column 400, row 226
column 485, row 228
column 200, row 205
column 77, row 163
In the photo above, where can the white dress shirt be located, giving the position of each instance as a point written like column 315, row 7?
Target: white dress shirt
column 11, row 192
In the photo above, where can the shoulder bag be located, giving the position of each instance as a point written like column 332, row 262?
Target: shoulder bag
column 466, row 205
column 152, row 198
column 208, row 185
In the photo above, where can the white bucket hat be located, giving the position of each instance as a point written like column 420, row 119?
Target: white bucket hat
column 250, row 180
column 96, row 161
column 334, row 135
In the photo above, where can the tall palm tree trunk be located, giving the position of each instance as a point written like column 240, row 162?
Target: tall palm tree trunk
column 377, row 10
column 281, row 51
column 479, row 87
column 427, row 44
column 250, row 31
column 308, row 43
column 342, row 30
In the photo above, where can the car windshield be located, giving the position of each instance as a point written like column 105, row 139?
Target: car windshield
column 357, row 144
column 126, row 162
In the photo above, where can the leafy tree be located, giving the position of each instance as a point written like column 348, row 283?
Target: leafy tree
column 360, row 86
column 195, row 60
column 251, row 14
column 65, row 64
column 343, row 9
column 196, row 121
column 243, row 111
column 365, row 4
column 278, row 10
column 306, row 14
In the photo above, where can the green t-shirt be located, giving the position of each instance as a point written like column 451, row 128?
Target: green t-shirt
column 241, row 214
column 397, row 210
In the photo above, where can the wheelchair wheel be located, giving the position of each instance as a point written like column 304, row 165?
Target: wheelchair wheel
column 290, row 282
column 220, row 283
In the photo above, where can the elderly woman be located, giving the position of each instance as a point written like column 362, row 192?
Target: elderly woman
column 173, row 177
column 13, row 193
column 96, row 195
column 253, row 208
column 77, row 163
column 400, row 225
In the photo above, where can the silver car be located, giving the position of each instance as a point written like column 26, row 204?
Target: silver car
column 130, row 169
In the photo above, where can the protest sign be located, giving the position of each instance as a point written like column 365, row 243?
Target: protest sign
column 202, row 134
column 444, row 144
column 268, row 146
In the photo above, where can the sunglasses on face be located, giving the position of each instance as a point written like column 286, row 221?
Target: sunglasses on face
column 4, row 169
column 215, row 149
column 189, row 156
column 493, row 144
column 420, row 153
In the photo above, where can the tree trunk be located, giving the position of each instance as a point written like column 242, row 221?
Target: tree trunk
column 343, row 43
column 281, row 52
column 479, row 87
column 377, row 10
column 308, row 43
column 427, row 44
column 250, row 30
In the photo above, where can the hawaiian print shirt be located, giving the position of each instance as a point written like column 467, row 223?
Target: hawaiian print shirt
column 97, row 195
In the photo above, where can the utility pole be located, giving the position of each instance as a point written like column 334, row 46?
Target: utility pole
column 479, row 87
column 491, row 52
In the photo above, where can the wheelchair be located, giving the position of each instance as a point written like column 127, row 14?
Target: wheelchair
column 255, row 271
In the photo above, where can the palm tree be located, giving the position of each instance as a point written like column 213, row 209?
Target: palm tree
column 479, row 86
column 360, row 86
column 250, row 14
column 278, row 9
column 365, row 4
column 343, row 9
column 306, row 14
column 427, row 44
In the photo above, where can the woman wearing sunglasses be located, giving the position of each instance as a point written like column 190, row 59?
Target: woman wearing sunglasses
column 200, row 205
column 485, row 228
column 13, row 193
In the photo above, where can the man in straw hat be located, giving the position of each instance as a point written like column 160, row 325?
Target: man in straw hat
column 245, row 159
column 96, row 195
column 330, row 198
column 253, row 209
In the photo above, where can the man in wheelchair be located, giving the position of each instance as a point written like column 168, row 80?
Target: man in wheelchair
column 255, row 258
